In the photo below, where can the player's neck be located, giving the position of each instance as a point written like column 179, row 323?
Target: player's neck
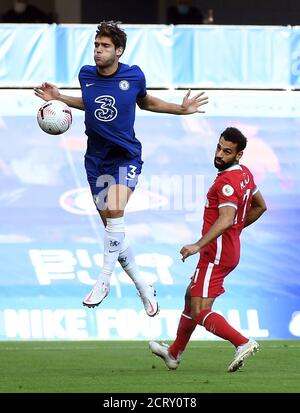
column 108, row 71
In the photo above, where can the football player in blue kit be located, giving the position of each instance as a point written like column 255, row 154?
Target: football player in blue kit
column 110, row 92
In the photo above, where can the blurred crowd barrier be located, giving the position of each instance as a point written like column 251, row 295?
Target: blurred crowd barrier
column 204, row 56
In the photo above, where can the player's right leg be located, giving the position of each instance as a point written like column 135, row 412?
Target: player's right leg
column 172, row 354
column 162, row 351
column 114, row 205
column 185, row 328
column 99, row 291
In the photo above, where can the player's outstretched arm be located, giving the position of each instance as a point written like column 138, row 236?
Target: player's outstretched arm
column 193, row 104
column 48, row 91
column 188, row 106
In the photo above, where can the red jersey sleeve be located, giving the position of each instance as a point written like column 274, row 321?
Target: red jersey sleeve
column 227, row 193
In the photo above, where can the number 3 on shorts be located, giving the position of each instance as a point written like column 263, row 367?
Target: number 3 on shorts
column 132, row 173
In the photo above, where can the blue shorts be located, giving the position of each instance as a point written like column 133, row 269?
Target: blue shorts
column 101, row 174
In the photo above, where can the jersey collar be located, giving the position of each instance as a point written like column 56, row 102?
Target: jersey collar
column 235, row 167
column 108, row 76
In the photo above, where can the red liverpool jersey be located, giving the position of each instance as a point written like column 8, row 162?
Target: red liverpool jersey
column 233, row 187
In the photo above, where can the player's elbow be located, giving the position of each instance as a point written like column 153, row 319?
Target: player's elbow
column 141, row 106
column 230, row 223
column 260, row 210
column 144, row 103
column 263, row 207
column 227, row 223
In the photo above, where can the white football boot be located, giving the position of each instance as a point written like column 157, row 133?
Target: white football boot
column 162, row 351
column 97, row 294
column 149, row 300
column 241, row 354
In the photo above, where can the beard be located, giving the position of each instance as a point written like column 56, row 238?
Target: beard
column 103, row 64
column 221, row 165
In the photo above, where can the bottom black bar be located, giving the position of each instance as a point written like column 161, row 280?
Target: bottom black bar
column 137, row 401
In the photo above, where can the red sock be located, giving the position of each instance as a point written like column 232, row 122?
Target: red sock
column 185, row 329
column 217, row 325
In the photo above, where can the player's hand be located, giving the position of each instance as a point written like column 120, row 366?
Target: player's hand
column 192, row 105
column 47, row 91
column 188, row 250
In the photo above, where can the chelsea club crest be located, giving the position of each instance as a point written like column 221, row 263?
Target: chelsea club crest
column 124, row 85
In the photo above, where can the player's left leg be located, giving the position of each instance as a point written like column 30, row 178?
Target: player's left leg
column 127, row 261
column 127, row 175
column 146, row 292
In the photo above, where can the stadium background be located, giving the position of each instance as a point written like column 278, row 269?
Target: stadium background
column 51, row 239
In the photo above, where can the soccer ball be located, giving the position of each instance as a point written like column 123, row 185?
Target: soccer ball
column 54, row 117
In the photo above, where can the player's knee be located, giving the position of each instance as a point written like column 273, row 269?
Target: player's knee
column 194, row 313
column 114, row 213
column 197, row 309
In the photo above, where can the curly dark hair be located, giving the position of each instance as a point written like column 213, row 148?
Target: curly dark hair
column 111, row 29
column 235, row 135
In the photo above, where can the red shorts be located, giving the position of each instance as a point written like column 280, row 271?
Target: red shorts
column 207, row 281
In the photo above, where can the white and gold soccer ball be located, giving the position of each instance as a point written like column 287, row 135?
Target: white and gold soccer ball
column 54, row 117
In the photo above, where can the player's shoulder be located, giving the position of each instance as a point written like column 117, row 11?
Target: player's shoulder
column 87, row 70
column 247, row 174
column 133, row 70
column 234, row 172
column 246, row 170
column 230, row 177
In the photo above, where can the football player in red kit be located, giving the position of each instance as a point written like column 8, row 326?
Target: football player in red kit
column 233, row 202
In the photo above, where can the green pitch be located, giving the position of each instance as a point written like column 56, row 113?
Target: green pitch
column 123, row 366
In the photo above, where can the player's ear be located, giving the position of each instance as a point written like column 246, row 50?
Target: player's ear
column 119, row 51
column 239, row 155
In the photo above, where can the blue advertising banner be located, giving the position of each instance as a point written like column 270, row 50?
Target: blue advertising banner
column 209, row 56
column 295, row 57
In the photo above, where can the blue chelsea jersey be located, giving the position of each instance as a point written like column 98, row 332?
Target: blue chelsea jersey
column 109, row 103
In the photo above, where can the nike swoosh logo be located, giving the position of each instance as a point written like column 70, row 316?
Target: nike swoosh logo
column 89, row 297
column 152, row 308
column 113, row 250
column 89, row 84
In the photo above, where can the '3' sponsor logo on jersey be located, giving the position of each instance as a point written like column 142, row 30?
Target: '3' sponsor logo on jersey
column 107, row 111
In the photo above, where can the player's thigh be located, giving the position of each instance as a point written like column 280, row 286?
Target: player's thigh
column 208, row 280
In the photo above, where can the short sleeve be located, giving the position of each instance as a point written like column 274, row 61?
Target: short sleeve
column 227, row 194
column 143, row 89
column 80, row 74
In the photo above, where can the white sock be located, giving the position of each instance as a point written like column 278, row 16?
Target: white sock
column 127, row 261
column 113, row 237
